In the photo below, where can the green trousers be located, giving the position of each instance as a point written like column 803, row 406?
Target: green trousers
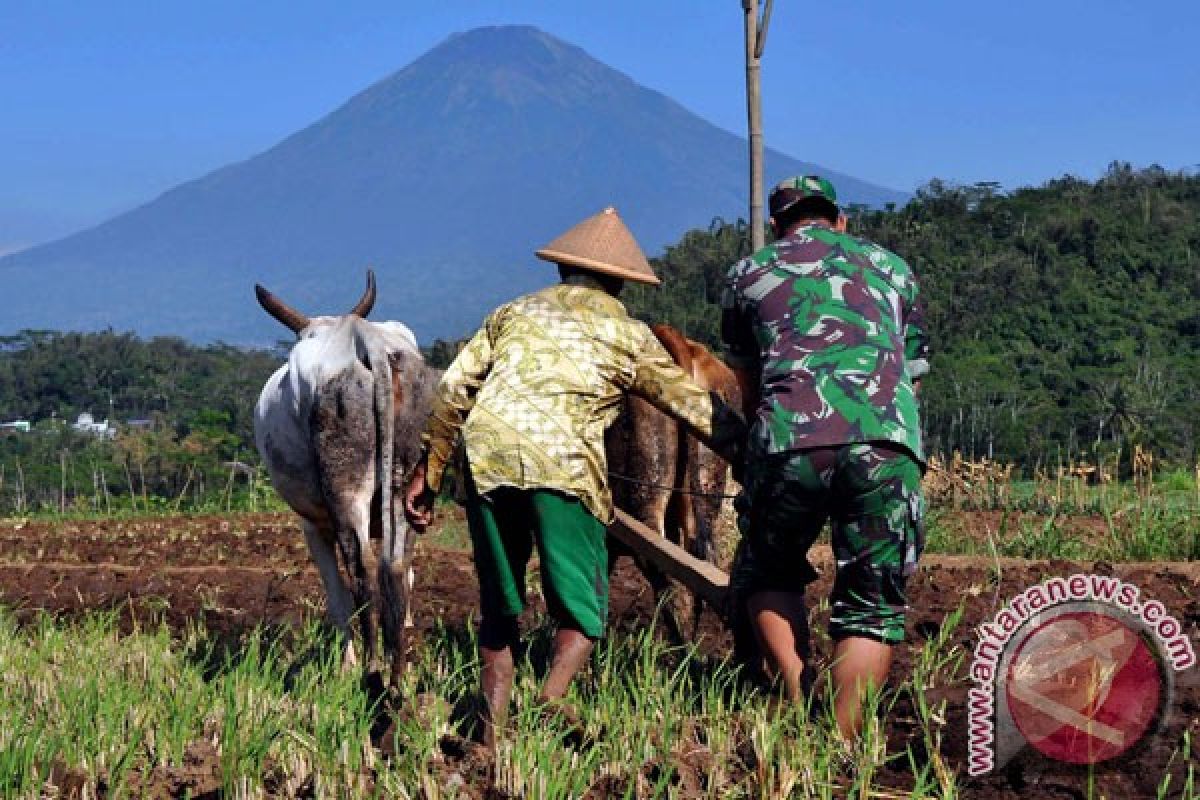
column 506, row 524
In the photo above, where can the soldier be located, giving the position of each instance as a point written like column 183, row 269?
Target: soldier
column 531, row 396
column 825, row 333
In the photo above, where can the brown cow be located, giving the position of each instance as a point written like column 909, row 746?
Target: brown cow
column 664, row 477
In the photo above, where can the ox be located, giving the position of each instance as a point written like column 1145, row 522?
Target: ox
column 338, row 428
column 665, row 478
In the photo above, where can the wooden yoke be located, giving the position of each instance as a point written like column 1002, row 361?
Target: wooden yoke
column 702, row 578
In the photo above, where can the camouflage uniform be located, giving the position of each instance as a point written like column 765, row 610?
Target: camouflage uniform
column 832, row 325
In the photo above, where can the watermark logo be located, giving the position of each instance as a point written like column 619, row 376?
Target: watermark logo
column 1081, row 669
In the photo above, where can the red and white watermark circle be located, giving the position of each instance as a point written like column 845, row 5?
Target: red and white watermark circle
column 1080, row 669
column 1084, row 687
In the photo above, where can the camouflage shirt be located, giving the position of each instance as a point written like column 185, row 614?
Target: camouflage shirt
column 833, row 325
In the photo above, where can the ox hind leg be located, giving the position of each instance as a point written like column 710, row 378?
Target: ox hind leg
column 395, row 589
column 345, row 447
column 683, row 607
column 338, row 599
column 670, row 516
column 643, row 456
column 696, row 515
column 678, row 514
column 352, row 532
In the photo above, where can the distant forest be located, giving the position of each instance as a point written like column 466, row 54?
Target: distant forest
column 1065, row 323
column 1065, row 319
column 180, row 416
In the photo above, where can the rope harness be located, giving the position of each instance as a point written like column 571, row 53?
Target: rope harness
column 663, row 488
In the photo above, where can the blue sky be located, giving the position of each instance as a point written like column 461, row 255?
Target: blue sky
column 104, row 105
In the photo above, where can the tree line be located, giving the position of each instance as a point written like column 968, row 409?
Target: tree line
column 1065, row 318
column 1065, row 323
column 181, row 417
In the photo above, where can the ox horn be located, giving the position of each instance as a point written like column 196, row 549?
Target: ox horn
column 368, row 299
column 280, row 310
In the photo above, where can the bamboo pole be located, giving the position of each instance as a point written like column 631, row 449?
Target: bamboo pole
column 754, row 123
column 142, row 478
column 104, row 487
column 186, row 484
column 229, row 483
column 756, row 40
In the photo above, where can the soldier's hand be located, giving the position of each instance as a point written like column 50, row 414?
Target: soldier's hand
column 738, row 470
column 737, row 464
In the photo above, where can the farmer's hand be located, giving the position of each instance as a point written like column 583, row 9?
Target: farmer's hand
column 418, row 500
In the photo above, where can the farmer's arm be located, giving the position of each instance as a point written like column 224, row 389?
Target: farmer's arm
column 452, row 401
column 660, row 380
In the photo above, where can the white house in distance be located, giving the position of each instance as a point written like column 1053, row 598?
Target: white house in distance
column 86, row 423
column 16, row 426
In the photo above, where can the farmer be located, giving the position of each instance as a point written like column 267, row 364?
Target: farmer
column 825, row 334
column 531, row 395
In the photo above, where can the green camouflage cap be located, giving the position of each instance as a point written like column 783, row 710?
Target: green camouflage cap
column 801, row 187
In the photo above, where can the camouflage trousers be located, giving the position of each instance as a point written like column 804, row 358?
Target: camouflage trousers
column 871, row 494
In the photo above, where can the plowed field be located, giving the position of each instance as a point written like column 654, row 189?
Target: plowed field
column 233, row 572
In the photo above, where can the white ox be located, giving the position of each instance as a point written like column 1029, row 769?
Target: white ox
column 338, row 427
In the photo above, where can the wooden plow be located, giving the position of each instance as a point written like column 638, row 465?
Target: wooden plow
column 704, row 580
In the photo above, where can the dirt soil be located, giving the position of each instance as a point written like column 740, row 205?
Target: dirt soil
column 236, row 571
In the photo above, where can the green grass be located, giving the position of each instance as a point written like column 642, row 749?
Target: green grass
column 273, row 712
column 450, row 532
column 1150, row 530
column 114, row 707
column 124, row 510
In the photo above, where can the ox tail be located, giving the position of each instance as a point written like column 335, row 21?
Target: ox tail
column 384, row 418
column 393, row 587
column 681, row 509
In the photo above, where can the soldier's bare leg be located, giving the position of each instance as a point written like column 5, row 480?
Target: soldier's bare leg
column 780, row 621
column 860, row 665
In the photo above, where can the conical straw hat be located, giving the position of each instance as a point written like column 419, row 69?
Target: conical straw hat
column 602, row 244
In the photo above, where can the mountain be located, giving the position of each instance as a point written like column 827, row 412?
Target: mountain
column 444, row 176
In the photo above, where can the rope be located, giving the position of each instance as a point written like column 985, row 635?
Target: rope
column 663, row 488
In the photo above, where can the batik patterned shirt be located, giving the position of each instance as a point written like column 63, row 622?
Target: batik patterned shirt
column 534, row 390
column 834, row 327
